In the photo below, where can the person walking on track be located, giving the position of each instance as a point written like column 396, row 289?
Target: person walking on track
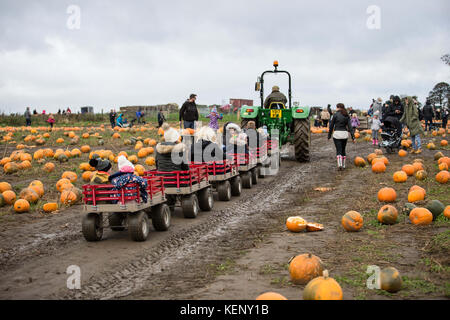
column 340, row 127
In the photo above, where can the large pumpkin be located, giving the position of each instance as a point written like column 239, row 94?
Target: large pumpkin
column 443, row 176
column 378, row 166
column 305, row 267
column 87, row 175
column 408, row 169
column 390, row 280
column 72, row 176
column 11, row 167
column 402, row 153
column 61, row 182
column 418, row 166
column 387, row 214
column 85, row 149
column 370, row 157
column 296, row 224
column 5, row 186
column 21, row 206
column 400, row 176
column 68, row 197
column 447, row 211
column 150, row 161
column 352, row 221
column 360, row 162
column 29, row 194
column 421, row 216
column 387, row 195
column 416, row 195
column 323, row 288
column 9, row 196
column 270, row 296
column 49, row 167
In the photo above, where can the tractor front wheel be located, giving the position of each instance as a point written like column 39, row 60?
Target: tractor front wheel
column 302, row 139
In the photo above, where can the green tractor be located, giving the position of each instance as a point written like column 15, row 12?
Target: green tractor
column 292, row 123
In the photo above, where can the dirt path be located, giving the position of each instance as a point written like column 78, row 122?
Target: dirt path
column 237, row 251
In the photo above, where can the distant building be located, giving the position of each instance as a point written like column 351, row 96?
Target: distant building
column 87, row 109
column 238, row 103
column 151, row 110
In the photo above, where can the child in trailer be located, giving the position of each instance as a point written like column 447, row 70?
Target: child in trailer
column 126, row 175
column 101, row 175
column 205, row 147
column 170, row 154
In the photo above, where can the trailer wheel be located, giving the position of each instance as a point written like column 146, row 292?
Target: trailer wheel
column 138, row 226
column 255, row 174
column 236, row 186
column 161, row 217
column 206, row 199
column 92, row 226
column 116, row 221
column 247, row 180
column 190, row 206
column 224, row 191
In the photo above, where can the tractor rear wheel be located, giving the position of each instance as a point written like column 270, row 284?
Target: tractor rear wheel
column 302, row 139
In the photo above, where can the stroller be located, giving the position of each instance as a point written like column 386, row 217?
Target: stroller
column 391, row 138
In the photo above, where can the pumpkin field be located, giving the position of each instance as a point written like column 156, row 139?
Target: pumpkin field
column 309, row 232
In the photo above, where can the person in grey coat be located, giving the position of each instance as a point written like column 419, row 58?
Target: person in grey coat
column 376, row 107
column 27, row 115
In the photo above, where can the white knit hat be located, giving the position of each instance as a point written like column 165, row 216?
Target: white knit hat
column 124, row 164
column 171, row 135
column 205, row 133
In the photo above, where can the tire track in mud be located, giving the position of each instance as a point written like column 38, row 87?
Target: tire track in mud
column 181, row 246
column 180, row 261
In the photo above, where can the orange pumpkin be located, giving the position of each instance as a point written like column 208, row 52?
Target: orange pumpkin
column 21, row 206
column 11, row 167
column 444, row 159
column 60, row 140
column 72, row 176
column 9, row 196
column 38, row 189
column 443, row 176
column 85, row 149
column 408, row 169
column 402, row 153
column 387, row 214
column 447, row 211
column 142, row 153
column 150, row 161
column 387, row 195
column 378, row 167
column 296, row 224
column 133, row 159
column 50, row 207
column 323, row 288
column 139, row 169
column 116, row 135
column 418, row 166
column 270, row 296
column 68, row 197
column 370, row 157
column 421, row 216
column 62, row 182
column 360, row 162
column 305, row 267
column 29, row 194
column 352, row 221
column 5, row 186
column 87, row 175
column 39, row 154
column 49, row 167
column 416, row 195
column 400, row 176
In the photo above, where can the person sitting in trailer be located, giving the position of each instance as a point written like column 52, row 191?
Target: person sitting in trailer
column 205, row 147
column 125, row 176
column 170, row 152
column 102, row 166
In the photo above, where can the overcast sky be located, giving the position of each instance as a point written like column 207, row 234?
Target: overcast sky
column 156, row 52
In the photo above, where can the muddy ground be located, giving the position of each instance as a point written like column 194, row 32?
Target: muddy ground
column 242, row 247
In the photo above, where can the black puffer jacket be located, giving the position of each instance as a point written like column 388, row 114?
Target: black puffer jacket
column 428, row 112
column 396, row 105
column 206, row 151
column 163, row 158
column 189, row 112
column 339, row 122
